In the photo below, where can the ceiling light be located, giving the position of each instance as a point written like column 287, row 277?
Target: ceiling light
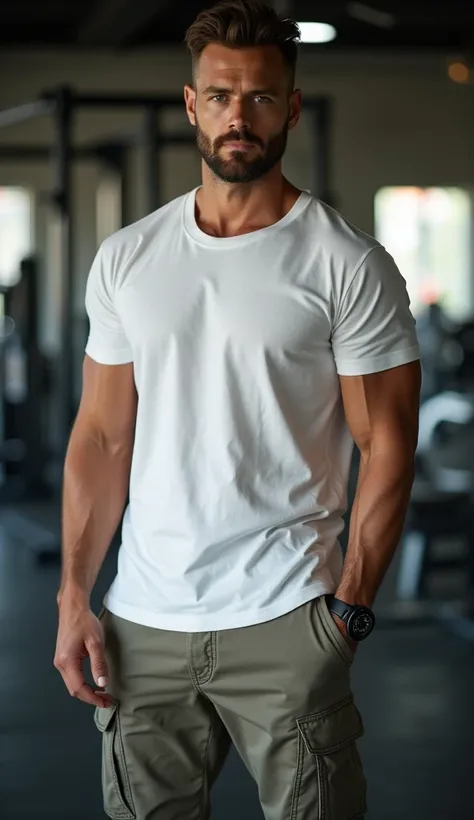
column 317, row 32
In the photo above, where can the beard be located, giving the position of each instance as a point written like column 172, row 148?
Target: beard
column 240, row 167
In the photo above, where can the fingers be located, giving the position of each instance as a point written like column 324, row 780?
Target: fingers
column 80, row 637
column 78, row 688
column 95, row 698
column 98, row 664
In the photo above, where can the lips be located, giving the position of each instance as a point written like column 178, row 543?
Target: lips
column 237, row 144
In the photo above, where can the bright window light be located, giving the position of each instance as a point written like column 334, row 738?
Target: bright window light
column 428, row 233
column 317, row 32
column 16, row 232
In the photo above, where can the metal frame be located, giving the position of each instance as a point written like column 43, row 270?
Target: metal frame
column 61, row 104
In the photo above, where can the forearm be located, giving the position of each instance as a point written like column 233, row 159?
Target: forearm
column 96, row 479
column 377, row 519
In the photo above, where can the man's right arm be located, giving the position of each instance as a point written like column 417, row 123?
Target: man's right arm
column 96, row 475
column 95, row 487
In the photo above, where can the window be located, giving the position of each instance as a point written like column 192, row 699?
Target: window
column 428, row 233
column 16, row 232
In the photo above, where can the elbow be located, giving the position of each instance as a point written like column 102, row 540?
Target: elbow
column 397, row 456
column 89, row 436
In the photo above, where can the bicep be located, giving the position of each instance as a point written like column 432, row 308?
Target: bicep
column 108, row 403
column 383, row 408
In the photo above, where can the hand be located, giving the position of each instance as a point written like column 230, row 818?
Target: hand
column 354, row 645
column 80, row 635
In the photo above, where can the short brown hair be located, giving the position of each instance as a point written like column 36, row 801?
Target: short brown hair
column 240, row 23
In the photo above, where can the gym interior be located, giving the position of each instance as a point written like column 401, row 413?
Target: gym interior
column 93, row 136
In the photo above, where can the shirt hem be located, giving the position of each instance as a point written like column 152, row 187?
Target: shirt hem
column 218, row 620
column 362, row 367
column 122, row 356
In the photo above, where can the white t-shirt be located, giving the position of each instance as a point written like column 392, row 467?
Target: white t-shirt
column 241, row 457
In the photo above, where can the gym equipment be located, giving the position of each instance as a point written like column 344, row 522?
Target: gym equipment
column 434, row 330
column 463, row 370
column 441, row 508
column 447, row 352
column 23, row 387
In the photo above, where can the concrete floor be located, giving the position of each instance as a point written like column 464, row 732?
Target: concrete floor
column 413, row 685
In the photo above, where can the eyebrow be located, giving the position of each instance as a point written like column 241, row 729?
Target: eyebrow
column 214, row 89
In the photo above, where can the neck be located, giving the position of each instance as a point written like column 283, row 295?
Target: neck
column 227, row 209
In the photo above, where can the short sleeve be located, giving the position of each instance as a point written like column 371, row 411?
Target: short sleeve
column 374, row 329
column 107, row 342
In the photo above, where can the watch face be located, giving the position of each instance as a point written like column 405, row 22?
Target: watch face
column 361, row 624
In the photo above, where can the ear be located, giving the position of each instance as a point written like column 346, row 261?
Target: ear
column 296, row 103
column 190, row 101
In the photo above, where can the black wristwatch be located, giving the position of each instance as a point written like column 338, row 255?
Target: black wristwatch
column 359, row 620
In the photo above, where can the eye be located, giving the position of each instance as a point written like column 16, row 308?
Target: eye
column 263, row 99
column 218, row 97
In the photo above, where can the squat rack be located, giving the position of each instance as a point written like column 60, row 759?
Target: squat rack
column 61, row 104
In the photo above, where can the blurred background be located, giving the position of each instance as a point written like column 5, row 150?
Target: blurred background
column 93, row 135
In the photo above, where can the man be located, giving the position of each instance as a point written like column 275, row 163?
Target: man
column 240, row 338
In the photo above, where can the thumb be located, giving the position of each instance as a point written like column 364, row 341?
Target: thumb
column 99, row 668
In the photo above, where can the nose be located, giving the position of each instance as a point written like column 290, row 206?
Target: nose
column 239, row 116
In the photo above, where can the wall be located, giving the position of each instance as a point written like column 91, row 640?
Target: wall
column 398, row 120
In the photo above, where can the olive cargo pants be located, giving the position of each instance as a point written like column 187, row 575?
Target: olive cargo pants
column 280, row 691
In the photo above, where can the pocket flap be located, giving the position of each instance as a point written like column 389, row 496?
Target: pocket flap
column 326, row 732
column 104, row 716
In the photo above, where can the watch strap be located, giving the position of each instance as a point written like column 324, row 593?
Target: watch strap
column 339, row 608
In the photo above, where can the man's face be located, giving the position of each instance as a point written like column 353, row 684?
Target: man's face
column 242, row 108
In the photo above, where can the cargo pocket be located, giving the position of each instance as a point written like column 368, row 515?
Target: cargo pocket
column 117, row 794
column 330, row 738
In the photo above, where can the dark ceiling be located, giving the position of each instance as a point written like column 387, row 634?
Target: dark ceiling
column 446, row 25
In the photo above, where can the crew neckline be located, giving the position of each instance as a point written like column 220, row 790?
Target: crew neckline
column 223, row 242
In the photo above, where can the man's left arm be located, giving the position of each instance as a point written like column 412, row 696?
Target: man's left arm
column 382, row 411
